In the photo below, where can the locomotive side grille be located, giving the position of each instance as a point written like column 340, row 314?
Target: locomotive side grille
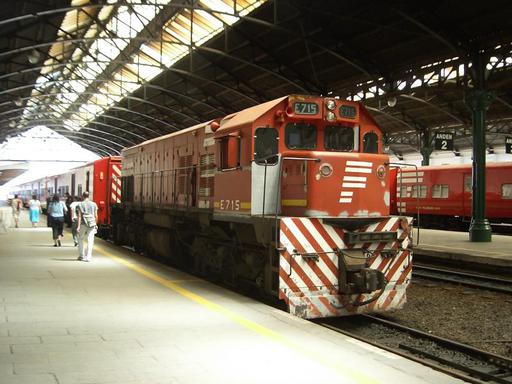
column 207, row 173
column 184, row 171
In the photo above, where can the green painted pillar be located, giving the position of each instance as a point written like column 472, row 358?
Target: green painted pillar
column 478, row 101
column 426, row 147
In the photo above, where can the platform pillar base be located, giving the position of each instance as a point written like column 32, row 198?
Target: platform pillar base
column 480, row 231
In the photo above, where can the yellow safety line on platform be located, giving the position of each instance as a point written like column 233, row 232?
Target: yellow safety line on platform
column 463, row 249
column 264, row 331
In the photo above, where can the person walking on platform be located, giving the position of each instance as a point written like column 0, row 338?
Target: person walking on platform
column 56, row 212
column 87, row 218
column 34, row 210
column 74, row 219
column 16, row 205
column 68, row 218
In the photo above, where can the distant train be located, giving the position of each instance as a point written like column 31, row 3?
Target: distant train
column 102, row 178
column 441, row 195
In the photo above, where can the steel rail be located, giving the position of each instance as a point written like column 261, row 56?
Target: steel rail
column 500, row 367
column 465, row 278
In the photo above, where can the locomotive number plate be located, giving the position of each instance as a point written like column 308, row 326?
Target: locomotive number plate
column 301, row 108
column 348, row 111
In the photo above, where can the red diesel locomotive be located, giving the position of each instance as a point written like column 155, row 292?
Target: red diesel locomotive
column 291, row 197
column 441, row 195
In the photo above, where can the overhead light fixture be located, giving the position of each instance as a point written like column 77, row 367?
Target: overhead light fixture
column 33, row 56
column 392, row 101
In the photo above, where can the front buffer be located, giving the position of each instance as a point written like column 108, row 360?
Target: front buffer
column 326, row 271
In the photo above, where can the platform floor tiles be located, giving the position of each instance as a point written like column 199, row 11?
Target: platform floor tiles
column 125, row 319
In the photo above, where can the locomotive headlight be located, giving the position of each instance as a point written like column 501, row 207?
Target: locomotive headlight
column 326, row 170
column 330, row 104
column 331, row 116
column 381, row 172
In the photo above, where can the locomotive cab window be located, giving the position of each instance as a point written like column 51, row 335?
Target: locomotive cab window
column 339, row 138
column 440, row 191
column 300, row 136
column 266, row 144
column 229, row 152
column 506, row 191
column 371, row 143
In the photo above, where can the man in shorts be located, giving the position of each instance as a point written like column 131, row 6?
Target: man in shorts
column 16, row 205
column 87, row 211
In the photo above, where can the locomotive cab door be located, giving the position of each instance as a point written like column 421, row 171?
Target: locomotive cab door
column 265, row 175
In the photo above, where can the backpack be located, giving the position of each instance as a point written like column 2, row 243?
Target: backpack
column 89, row 219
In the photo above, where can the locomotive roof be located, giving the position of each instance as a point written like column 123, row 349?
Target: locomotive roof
column 236, row 119
column 247, row 115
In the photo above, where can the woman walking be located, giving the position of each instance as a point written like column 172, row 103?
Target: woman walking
column 34, row 210
column 56, row 212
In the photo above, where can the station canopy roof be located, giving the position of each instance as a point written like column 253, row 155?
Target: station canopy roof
column 110, row 74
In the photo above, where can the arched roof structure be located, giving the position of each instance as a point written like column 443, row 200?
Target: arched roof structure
column 109, row 74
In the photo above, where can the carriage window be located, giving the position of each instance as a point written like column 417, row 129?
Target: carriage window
column 300, row 136
column 371, row 143
column 440, row 191
column 506, row 191
column 422, row 189
column 339, row 138
column 403, row 191
column 266, row 142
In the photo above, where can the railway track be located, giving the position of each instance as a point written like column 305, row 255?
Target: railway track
column 474, row 280
column 453, row 358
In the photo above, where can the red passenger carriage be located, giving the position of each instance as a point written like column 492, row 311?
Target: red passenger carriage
column 442, row 194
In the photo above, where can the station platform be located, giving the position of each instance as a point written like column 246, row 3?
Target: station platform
column 455, row 246
column 125, row 319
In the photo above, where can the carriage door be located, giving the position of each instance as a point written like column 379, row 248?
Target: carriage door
column 265, row 172
column 466, row 195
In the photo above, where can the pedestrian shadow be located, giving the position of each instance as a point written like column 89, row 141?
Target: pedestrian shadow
column 56, row 259
column 43, row 245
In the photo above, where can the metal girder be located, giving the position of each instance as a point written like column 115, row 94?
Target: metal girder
column 35, row 122
column 308, row 84
column 432, row 105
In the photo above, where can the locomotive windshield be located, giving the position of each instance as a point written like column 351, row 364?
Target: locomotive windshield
column 266, row 144
column 339, row 138
column 300, row 136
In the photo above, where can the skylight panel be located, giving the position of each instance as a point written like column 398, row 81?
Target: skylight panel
column 125, row 22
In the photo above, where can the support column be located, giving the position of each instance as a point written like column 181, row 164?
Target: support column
column 478, row 101
column 426, row 146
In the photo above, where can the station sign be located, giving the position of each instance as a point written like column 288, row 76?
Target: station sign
column 443, row 141
column 508, row 144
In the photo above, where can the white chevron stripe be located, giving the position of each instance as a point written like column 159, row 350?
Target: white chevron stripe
column 358, row 170
column 359, row 163
column 346, row 193
column 305, row 265
column 354, row 185
column 355, row 178
column 325, row 248
column 345, row 200
column 332, row 233
column 116, row 169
